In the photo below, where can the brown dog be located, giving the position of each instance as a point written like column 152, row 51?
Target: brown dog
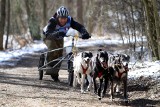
column 119, row 73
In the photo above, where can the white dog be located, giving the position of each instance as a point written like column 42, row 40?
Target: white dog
column 82, row 66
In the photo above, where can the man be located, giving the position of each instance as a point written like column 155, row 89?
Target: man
column 54, row 32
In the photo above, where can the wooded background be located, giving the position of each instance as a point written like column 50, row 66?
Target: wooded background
column 129, row 19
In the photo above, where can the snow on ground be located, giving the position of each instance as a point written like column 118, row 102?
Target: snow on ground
column 138, row 69
column 110, row 39
column 145, row 69
column 16, row 54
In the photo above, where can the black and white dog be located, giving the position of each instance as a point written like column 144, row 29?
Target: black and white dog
column 119, row 72
column 100, row 70
column 82, row 66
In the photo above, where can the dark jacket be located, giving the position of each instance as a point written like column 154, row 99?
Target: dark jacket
column 53, row 22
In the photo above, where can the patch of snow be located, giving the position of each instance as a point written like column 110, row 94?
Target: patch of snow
column 16, row 54
column 145, row 69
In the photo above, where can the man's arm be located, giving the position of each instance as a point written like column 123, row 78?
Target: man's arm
column 50, row 27
column 77, row 26
column 51, row 32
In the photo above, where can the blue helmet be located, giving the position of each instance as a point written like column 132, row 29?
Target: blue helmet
column 62, row 12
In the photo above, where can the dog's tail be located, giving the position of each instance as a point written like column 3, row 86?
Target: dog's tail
column 99, row 49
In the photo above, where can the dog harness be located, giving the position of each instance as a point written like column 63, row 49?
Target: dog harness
column 84, row 69
column 121, row 73
column 100, row 74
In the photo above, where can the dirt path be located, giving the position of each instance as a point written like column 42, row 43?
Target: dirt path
column 20, row 87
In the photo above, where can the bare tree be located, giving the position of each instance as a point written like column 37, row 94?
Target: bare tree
column 8, row 23
column 33, row 23
column 80, row 11
column 2, row 22
column 152, row 26
column 44, row 12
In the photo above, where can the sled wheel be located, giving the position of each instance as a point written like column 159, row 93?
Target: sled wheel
column 41, row 63
column 70, row 73
column 40, row 74
column 70, row 78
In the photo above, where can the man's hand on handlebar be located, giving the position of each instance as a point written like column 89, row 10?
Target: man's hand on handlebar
column 59, row 34
column 85, row 34
column 56, row 35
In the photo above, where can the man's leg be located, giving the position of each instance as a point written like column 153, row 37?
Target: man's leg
column 54, row 44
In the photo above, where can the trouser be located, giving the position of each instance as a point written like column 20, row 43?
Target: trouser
column 54, row 44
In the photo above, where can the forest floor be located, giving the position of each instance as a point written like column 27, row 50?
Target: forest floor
column 20, row 87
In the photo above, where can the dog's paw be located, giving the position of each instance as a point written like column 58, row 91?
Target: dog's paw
column 88, row 89
column 103, row 95
column 95, row 92
column 125, row 100
column 117, row 93
column 99, row 98
column 112, row 98
column 79, row 82
column 83, row 92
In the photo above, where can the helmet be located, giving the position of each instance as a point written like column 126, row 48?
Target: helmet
column 62, row 12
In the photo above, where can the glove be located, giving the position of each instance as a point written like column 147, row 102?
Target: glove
column 85, row 34
column 57, row 35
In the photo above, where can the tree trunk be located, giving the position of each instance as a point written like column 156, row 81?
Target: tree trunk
column 157, row 25
column 90, row 21
column 8, row 24
column 119, row 24
column 126, row 23
column 44, row 12
column 152, row 28
column 70, row 5
column 134, row 28
column 33, row 23
column 2, row 22
column 80, row 11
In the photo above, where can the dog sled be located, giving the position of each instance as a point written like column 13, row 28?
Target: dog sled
column 67, row 59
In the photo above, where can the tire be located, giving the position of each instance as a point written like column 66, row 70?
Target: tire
column 70, row 73
column 70, row 78
column 40, row 74
column 41, row 63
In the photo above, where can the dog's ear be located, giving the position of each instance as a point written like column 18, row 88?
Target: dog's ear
column 126, row 65
column 111, row 70
column 118, row 55
column 119, row 59
column 97, row 55
column 106, row 55
column 82, row 55
column 90, row 54
column 116, row 68
column 113, row 57
column 99, row 50
column 105, row 52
